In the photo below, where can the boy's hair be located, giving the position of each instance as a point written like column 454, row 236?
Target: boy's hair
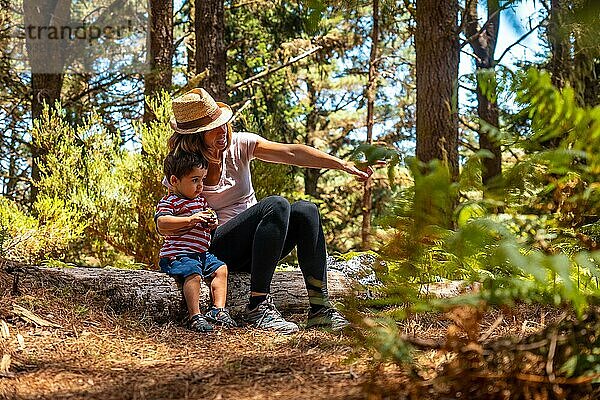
column 180, row 163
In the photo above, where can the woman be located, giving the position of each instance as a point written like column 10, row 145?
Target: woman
column 253, row 236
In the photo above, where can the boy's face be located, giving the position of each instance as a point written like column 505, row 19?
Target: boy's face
column 190, row 185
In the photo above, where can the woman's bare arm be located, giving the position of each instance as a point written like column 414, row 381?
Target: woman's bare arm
column 304, row 156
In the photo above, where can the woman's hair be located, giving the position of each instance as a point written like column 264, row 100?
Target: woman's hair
column 194, row 143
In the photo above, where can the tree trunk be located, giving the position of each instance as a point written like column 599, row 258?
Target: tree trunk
column 47, row 60
column 11, row 181
column 560, row 47
column 159, row 77
column 370, row 92
column 210, row 46
column 155, row 296
column 437, row 48
column 484, row 46
column 586, row 63
column 311, row 175
column 311, row 180
column 160, row 51
column 190, row 41
column 588, row 66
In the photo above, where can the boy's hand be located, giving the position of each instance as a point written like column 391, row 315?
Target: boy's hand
column 212, row 221
column 207, row 218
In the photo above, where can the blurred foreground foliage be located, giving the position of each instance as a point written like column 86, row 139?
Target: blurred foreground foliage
column 536, row 239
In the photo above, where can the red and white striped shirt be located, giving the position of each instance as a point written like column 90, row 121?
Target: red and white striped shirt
column 195, row 240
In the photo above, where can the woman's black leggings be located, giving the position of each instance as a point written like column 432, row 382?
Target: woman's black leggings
column 256, row 239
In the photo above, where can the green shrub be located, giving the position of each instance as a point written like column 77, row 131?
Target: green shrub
column 109, row 191
column 27, row 239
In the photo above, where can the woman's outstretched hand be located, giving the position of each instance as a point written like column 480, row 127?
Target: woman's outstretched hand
column 361, row 172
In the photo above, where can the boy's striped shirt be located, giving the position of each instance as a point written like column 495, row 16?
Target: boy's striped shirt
column 195, row 240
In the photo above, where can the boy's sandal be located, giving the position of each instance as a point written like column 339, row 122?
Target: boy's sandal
column 220, row 316
column 199, row 323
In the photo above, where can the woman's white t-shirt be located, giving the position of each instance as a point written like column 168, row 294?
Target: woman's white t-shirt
column 234, row 192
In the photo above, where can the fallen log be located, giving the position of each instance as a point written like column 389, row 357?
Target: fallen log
column 156, row 296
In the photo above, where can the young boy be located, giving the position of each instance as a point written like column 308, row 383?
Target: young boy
column 185, row 220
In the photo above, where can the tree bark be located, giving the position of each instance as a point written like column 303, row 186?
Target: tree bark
column 47, row 60
column 484, row 47
column 370, row 92
column 437, row 48
column 160, row 51
column 210, row 46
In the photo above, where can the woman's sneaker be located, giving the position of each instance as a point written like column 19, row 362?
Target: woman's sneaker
column 327, row 318
column 266, row 316
column 199, row 324
column 220, row 316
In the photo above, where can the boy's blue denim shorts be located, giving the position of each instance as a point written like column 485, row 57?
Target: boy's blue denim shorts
column 180, row 267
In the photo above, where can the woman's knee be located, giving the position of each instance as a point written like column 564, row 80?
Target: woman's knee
column 305, row 210
column 278, row 206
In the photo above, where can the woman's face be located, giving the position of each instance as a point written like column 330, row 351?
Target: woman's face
column 216, row 138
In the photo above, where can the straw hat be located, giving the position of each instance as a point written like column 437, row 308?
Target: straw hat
column 196, row 111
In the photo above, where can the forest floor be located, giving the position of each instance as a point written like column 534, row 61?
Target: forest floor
column 94, row 354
